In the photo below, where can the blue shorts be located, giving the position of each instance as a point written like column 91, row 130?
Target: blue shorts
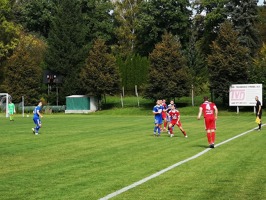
column 37, row 121
column 158, row 121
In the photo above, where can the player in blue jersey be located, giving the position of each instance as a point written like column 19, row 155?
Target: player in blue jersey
column 36, row 118
column 158, row 120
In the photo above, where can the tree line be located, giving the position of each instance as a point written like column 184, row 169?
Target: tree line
column 99, row 46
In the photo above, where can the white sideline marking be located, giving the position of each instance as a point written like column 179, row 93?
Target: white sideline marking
column 169, row 168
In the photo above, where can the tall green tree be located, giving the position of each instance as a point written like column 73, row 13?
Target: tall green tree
column 244, row 15
column 228, row 63
column 261, row 23
column 258, row 72
column 157, row 16
column 169, row 76
column 258, row 69
column 98, row 19
column 206, row 22
column 100, row 75
column 134, row 71
column 9, row 34
column 9, row 31
column 197, row 64
column 35, row 15
column 126, row 13
column 23, row 70
column 66, row 45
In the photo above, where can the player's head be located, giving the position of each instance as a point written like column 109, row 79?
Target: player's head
column 39, row 103
column 206, row 98
column 160, row 101
column 256, row 98
column 172, row 102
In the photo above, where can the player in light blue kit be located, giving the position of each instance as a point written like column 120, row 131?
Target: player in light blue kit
column 36, row 118
column 158, row 120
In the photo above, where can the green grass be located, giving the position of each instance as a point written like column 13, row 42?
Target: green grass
column 91, row 156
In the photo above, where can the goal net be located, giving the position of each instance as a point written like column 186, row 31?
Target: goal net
column 4, row 98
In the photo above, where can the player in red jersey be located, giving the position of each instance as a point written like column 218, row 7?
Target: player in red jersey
column 210, row 113
column 164, row 114
column 175, row 120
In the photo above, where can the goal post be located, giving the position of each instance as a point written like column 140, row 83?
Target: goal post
column 4, row 96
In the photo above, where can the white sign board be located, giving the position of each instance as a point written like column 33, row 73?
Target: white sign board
column 244, row 94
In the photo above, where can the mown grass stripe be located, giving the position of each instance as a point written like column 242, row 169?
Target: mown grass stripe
column 171, row 167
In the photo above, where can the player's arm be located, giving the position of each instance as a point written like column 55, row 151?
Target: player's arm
column 38, row 112
column 178, row 118
column 200, row 112
column 216, row 112
column 259, row 109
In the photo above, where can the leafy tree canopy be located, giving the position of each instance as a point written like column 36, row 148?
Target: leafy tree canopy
column 228, row 63
column 23, row 71
column 98, row 19
column 35, row 15
column 169, row 76
column 100, row 76
column 157, row 16
column 67, row 48
column 244, row 15
column 126, row 13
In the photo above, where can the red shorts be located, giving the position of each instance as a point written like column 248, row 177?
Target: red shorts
column 210, row 123
column 175, row 122
column 164, row 115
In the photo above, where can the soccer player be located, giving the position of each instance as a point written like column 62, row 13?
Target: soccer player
column 170, row 105
column 36, row 118
column 258, row 111
column 157, row 111
column 164, row 114
column 168, row 109
column 210, row 113
column 175, row 120
column 11, row 110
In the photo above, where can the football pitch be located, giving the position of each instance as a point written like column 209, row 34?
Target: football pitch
column 92, row 156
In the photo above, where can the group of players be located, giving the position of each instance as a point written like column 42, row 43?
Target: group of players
column 166, row 115
column 169, row 115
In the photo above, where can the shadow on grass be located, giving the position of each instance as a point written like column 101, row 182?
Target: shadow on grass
column 202, row 146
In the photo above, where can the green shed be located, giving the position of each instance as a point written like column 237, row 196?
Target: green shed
column 80, row 104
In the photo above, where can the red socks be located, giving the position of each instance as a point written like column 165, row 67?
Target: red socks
column 184, row 133
column 213, row 137
column 171, row 130
column 165, row 124
column 209, row 138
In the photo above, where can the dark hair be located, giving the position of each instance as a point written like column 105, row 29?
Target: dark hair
column 206, row 98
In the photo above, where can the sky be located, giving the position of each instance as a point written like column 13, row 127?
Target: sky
column 260, row 2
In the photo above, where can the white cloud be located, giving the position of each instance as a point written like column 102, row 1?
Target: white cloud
column 260, row 2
